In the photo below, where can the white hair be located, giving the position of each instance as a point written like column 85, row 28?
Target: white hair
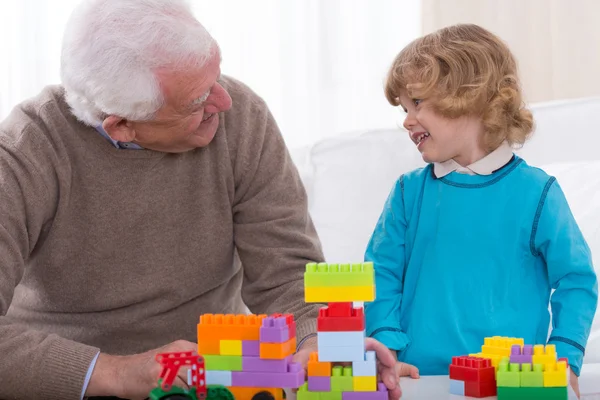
column 112, row 49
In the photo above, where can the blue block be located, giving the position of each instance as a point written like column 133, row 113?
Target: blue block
column 341, row 338
column 218, row 378
column 368, row 367
column 342, row 353
column 457, row 387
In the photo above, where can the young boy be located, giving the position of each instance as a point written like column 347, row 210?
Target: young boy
column 471, row 245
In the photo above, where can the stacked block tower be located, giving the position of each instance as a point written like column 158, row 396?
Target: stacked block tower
column 341, row 334
column 508, row 368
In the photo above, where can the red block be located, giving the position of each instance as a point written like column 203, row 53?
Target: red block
column 472, row 369
column 328, row 323
column 340, row 309
column 480, row 389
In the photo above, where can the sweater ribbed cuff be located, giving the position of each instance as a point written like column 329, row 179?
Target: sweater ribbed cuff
column 63, row 369
column 307, row 328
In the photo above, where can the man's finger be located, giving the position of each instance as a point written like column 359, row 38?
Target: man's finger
column 384, row 355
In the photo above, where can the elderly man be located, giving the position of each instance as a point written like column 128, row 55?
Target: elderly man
column 143, row 191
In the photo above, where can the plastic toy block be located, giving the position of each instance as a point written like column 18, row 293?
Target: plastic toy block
column 341, row 379
column 209, row 347
column 342, row 353
column 555, row 375
column 457, row 387
column 257, row 364
column 336, row 275
column 223, row 363
column 521, row 355
column 293, row 378
column 339, row 294
column 532, row 393
column 316, row 367
column 368, row 367
column 249, row 392
column 327, row 323
column 532, row 376
column 304, row 394
column 544, row 355
column 319, row 383
column 229, row 327
column 509, row 375
column 218, row 378
column 364, row 383
column 340, row 309
column 474, row 369
column 250, row 348
column 277, row 329
column 500, row 345
column 480, row 389
column 341, row 338
column 231, row 347
column 380, row 394
column 278, row 350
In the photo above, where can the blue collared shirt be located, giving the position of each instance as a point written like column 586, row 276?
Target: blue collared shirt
column 116, row 143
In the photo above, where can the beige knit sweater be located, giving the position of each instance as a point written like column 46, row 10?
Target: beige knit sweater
column 121, row 250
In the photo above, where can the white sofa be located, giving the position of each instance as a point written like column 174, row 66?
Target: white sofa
column 348, row 178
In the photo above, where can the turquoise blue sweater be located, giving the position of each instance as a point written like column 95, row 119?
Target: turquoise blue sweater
column 465, row 257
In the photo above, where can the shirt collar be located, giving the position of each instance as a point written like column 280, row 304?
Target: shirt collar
column 485, row 166
column 116, row 143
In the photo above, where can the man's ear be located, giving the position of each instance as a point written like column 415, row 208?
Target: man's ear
column 118, row 129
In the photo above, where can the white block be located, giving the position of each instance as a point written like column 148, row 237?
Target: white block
column 341, row 338
column 218, row 378
column 367, row 367
column 341, row 353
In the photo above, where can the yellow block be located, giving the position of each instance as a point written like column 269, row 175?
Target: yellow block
column 231, row 347
column 500, row 345
column 493, row 357
column 364, row 383
column 545, row 355
column 555, row 375
column 339, row 294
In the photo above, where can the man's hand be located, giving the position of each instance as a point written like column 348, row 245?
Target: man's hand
column 134, row 376
column 574, row 382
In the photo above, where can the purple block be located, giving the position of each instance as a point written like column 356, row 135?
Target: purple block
column 524, row 357
column 274, row 330
column 380, row 394
column 294, row 378
column 251, row 348
column 257, row 364
column 319, row 383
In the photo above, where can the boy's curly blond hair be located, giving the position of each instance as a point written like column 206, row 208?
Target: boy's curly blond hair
column 465, row 70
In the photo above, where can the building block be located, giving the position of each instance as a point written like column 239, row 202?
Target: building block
column 555, row 374
column 497, row 347
column 229, row 327
column 257, row 364
column 341, row 379
column 277, row 329
column 316, row 367
column 339, row 275
column 364, row 383
column 209, row 347
column 319, row 383
column 544, row 354
column 304, row 394
column 457, row 387
column 223, row 363
column 250, row 348
column 249, row 392
column 480, row 389
column 532, row 393
column 339, row 309
column 521, row 355
column 532, row 376
column 327, row 323
column 339, row 294
column 341, row 353
column 341, row 338
column 278, row 350
column 509, row 375
column 231, row 347
column 380, row 394
column 218, row 378
column 293, row 378
column 476, row 369
column 368, row 367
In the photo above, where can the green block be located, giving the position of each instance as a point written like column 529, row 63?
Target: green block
column 532, row 378
column 508, row 374
column 532, row 393
column 223, row 363
column 304, row 394
column 330, row 396
column 339, row 275
column 341, row 379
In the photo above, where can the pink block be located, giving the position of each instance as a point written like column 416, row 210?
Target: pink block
column 319, row 383
column 257, row 364
column 277, row 329
column 294, row 378
column 251, row 348
column 380, row 394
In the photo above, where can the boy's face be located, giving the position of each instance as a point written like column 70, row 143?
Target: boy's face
column 440, row 139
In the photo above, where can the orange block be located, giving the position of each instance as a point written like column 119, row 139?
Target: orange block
column 209, row 347
column 249, row 392
column 278, row 351
column 229, row 327
column 316, row 367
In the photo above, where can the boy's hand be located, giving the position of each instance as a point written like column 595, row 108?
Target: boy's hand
column 574, row 382
column 404, row 369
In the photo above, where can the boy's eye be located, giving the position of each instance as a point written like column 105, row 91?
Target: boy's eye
column 417, row 101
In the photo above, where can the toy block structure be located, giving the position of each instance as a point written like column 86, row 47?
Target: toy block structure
column 508, row 368
column 341, row 334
